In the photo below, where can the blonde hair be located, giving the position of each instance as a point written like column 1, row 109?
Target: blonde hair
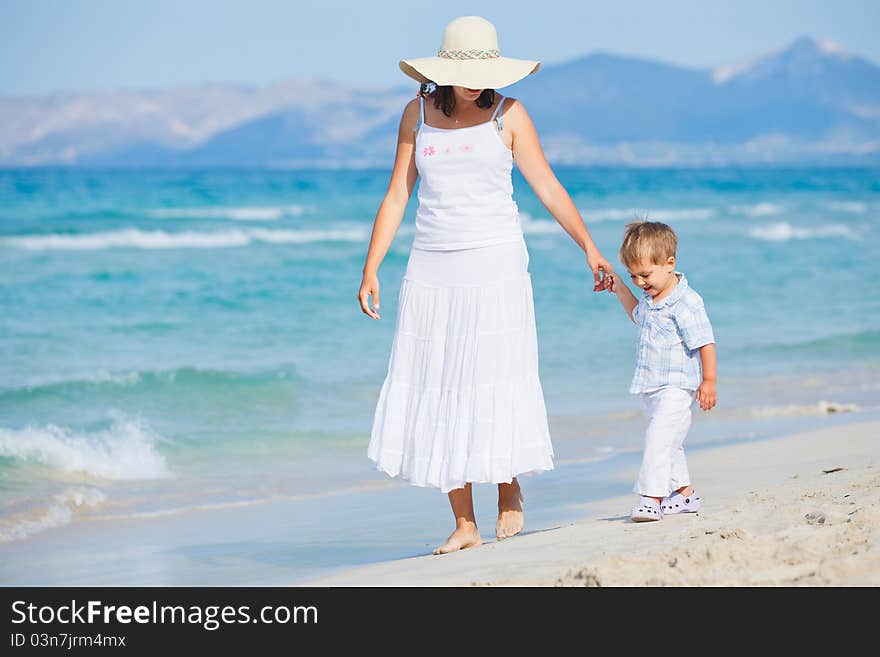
column 647, row 241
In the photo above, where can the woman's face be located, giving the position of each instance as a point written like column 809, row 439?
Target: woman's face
column 466, row 95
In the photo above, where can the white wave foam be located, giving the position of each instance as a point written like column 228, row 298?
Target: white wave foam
column 256, row 213
column 125, row 451
column 59, row 512
column 538, row 226
column 784, row 231
column 357, row 234
column 120, row 378
column 819, row 408
column 657, row 214
column 159, row 239
column 763, row 209
column 852, row 207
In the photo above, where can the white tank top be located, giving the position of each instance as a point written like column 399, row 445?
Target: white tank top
column 466, row 191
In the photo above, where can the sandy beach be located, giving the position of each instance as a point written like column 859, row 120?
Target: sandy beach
column 800, row 510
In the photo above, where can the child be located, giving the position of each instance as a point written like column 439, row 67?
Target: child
column 675, row 363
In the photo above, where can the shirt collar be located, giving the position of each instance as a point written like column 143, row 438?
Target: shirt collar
column 674, row 296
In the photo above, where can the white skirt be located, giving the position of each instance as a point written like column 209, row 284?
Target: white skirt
column 462, row 401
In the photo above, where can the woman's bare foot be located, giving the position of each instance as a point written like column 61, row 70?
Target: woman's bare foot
column 510, row 510
column 466, row 535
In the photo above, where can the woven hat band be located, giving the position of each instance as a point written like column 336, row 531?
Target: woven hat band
column 469, row 54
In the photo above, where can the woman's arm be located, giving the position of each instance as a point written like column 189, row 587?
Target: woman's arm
column 534, row 166
column 390, row 214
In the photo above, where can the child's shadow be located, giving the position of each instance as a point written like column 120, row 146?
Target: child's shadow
column 626, row 519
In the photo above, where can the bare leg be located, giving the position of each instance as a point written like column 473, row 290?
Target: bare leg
column 466, row 534
column 510, row 510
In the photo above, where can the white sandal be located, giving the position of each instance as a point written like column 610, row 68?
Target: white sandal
column 646, row 510
column 678, row 503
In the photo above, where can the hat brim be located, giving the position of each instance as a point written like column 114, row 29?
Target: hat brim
column 471, row 73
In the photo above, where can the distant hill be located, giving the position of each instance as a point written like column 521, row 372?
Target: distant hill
column 811, row 102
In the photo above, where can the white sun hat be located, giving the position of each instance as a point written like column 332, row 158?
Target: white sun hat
column 469, row 57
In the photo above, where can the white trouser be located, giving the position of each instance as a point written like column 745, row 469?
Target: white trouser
column 664, row 468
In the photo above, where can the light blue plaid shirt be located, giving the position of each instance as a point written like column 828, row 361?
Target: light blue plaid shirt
column 671, row 333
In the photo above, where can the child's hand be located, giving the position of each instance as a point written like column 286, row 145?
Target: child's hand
column 706, row 395
column 610, row 281
column 600, row 268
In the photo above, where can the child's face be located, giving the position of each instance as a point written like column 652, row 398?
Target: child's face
column 652, row 278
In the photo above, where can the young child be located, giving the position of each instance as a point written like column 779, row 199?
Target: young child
column 675, row 363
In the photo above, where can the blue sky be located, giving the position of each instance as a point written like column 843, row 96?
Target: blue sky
column 122, row 44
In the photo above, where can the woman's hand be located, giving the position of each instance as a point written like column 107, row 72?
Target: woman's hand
column 369, row 288
column 597, row 262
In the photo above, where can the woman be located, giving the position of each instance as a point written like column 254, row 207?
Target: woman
column 462, row 402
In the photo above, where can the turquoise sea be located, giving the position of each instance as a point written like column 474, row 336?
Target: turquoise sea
column 177, row 343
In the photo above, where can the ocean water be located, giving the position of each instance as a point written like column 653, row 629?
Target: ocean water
column 175, row 343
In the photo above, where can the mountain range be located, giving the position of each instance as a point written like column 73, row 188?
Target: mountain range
column 811, row 102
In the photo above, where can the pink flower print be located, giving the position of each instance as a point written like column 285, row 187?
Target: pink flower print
column 428, row 151
column 447, row 150
column 467, row 148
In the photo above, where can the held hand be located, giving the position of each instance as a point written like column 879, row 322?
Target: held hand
column 610, row 281
column 369, row 287
column 706, row 395
column 597, row 263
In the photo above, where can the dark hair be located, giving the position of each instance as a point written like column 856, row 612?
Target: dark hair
column 444, row 97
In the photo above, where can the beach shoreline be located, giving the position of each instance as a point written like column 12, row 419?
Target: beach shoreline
column 384, row 531
column 801, row 509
